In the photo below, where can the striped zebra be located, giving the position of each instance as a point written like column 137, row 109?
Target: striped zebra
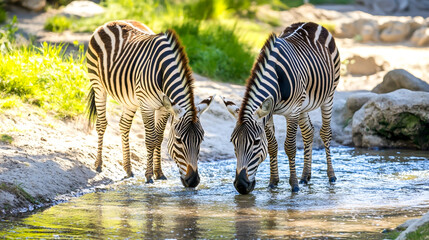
column 141, row 69
column 295, row 73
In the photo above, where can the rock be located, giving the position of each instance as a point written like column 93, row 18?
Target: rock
column 416, row 23
column 82, row 9
column 384, row 6
column 357, row 100
column 34, row 5
column 367, row 28
column 358, row 65
column 399, row 119
column 402, row 5
column 395, row 31
column 400, row 78
column 413, row 226
column 406, row 224
column 421, row 37
column 421, row 4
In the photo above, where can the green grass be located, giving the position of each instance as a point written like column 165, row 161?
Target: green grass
column 422, row 233
column 3, row 15
column 58, row 24
column 6, row 138
column 18, row 191
column 46, row 77
column 219, row 44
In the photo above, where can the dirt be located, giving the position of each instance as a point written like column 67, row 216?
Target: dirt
column 49, row 157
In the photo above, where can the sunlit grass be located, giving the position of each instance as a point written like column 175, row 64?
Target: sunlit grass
column 6, row 138
column 46, row 77
column 58, row 24
column 219, row 44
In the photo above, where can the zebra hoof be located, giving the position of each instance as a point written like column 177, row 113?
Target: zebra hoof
column 295, row 189
column 149, row 180
column 98, row 169
column 162, row 177
column 303, row 181
column 332, row 179
column 272, row 186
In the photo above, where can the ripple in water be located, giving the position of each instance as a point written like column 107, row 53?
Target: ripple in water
column 376, row 190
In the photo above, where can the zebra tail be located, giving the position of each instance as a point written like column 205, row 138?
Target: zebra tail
column 91, row 109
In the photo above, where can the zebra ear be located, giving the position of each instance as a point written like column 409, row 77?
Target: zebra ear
column 265, row 108
column 232, row 108
column 175, row 109
column 204, row 105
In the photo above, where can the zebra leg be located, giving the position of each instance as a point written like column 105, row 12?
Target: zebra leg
column 326, row 135
column 150, row 140
column 307, row 131
column 162, row 118
column 272, row 151
column 125, row 126
column 101, row 124
column 290, row 148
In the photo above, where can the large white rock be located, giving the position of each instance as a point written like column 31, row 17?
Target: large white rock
column 400, row 78
column 34, row 5
column 395, row 119
column 82, row 9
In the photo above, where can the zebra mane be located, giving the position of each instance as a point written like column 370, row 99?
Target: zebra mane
column 257, row 67
column 174, row 39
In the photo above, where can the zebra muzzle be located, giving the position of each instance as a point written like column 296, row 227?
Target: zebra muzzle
column 192, row 179
column 242, row 183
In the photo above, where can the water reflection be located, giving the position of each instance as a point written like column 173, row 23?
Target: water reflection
column 375, row 190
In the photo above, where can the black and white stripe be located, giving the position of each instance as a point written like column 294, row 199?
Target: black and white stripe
column 295, row 73
column 141, row 69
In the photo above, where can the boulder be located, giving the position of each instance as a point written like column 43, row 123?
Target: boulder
column 421, row 37
column 399, row 119
column 357, row 65
column 357, row 100
column 82, row 9
column 366, row 28
column 421, row 4
column 400, row 78
column 384, row 6
column 394, row 31
column 34, row 5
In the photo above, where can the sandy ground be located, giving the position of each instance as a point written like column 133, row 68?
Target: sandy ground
column 49, row 157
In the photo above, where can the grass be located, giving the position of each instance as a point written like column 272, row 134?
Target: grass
column 58, row 24
column 44, row 76
column 3, row 14
column 6, row 138
column 422, row 233
column 18, row 191
column 219, row 44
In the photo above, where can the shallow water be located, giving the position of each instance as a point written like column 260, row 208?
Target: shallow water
column 375, row 190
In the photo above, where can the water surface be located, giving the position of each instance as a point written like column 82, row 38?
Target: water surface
column 375, row 190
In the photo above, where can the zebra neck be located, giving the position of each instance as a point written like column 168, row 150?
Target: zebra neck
column 262, row 88
column 177, row 87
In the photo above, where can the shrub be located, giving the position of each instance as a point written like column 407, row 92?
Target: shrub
column 58, row 24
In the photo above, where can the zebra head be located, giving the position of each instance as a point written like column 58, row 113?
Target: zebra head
column 186, row 135
column 250, row 144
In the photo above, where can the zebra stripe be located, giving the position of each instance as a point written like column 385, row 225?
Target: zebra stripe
column 295, row 73
column 141, row 69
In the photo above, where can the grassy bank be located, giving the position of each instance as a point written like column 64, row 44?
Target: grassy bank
column 41, row 75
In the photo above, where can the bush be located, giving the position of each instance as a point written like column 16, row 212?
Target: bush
column 58, row 24
column 215, row 50
column 3, row 14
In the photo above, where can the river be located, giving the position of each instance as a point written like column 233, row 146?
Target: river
column 376, row 190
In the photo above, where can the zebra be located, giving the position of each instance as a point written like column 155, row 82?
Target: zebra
column 141, row 69
column 295, row 73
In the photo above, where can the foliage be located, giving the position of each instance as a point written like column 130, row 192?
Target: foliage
column 3, row 14
column 43, row 76
column 57, row 24
column 7, row 35
column 6, row 138
column 215, row 50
